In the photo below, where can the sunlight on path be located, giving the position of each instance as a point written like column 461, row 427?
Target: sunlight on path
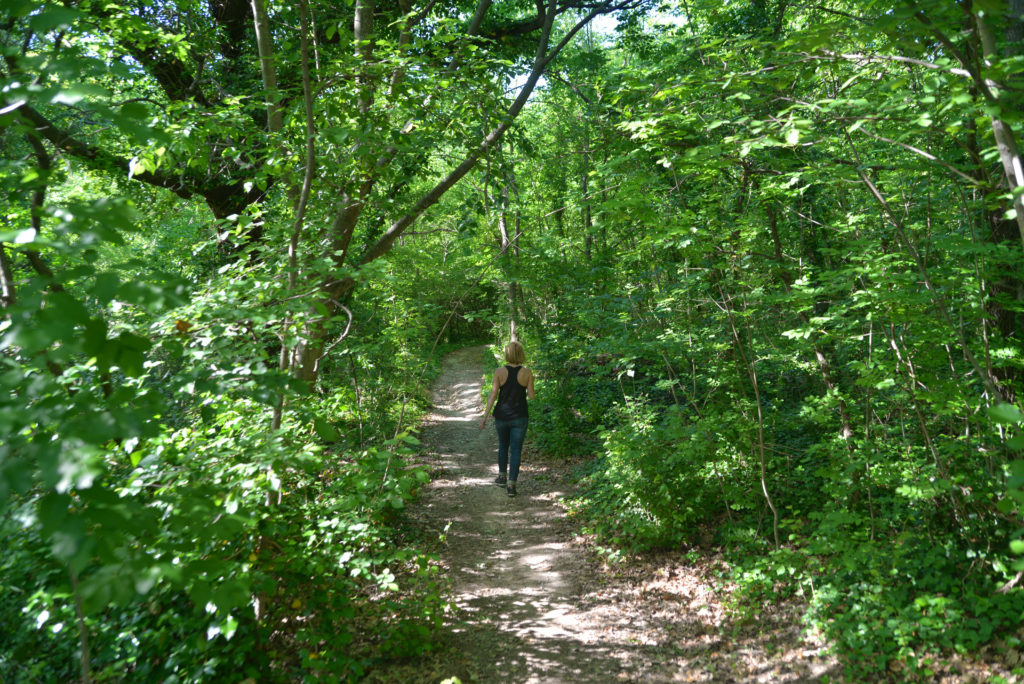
column 530, row 608
column 509, row 561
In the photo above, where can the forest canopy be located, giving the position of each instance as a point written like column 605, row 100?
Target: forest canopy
column 768, row 253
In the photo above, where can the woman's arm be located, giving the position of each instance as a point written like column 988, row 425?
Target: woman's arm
column 530, row 392
column 490, row 401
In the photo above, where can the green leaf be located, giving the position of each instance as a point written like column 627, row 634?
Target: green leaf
column 1006, row 414
column 229, row 627
column 134, row 110
column 72, row 95
column 95, row 337
column 325, row 430
column 131, row 353
column 52, row 510
column 67, row 307
column 97, row 593
column 230, row 595
column 147, row 579
column 19, row 8
column 105, row 287
column 53, row 17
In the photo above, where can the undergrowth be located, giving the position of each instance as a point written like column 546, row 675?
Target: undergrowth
column 893, row 596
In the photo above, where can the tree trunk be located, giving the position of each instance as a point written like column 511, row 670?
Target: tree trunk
column 1001, row 285
column 588, row 239
column 510, row 249
column 1014, row 28
column 7, row 290
column 1006, row 140
column 265, row 46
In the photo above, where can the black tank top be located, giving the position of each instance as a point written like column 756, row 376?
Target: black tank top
column 511, row 397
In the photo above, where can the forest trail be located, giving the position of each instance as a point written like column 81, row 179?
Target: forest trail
column 509, row 559
column 533, row 608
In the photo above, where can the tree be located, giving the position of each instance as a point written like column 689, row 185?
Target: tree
column 392, row 83
column 808, row 313
column 137, row 450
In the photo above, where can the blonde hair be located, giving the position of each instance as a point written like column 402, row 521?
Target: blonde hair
column 514, row 354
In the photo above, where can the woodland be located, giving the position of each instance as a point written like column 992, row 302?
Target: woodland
column 767, row 259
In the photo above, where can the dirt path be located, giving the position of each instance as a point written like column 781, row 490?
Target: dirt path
column 533, row 607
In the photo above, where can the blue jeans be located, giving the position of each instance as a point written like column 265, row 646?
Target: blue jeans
column 510, row 445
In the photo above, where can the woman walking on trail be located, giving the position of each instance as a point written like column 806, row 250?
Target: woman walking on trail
column 513, row 383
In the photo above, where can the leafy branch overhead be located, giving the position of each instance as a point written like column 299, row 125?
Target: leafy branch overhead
column 372, row 81
column 201, row 71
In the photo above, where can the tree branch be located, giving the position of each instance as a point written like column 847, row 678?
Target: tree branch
column 38, row 201
column 265, row 45
column 97, row 158
column 384, row 244
column 224, row 198
column 969, row 66
column 841, row 14
column 541, row 60
column 927, row 155
column 172, row 75
column 991, row 384
column 859, row 57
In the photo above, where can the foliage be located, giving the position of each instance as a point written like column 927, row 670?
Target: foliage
column 765, row 257
column 164, row 516
column 160, row 524
column 777, row 302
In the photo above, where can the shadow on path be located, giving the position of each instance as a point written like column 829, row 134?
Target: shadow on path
column 531, row 609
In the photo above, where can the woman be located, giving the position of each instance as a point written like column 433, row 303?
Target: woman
column 511, row 387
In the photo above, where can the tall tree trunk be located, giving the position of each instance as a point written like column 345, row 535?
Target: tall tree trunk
column 1006, row 140
column 510, row 248
column 506, row 242
column 1014, row 28
column 7, row 290
column 1001, row 285
column 265, row 47
column 349, row 207
column 588, row 239
column 288, row 358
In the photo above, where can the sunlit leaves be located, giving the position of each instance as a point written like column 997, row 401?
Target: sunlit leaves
column 815, row 202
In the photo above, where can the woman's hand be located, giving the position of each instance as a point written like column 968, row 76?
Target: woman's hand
column 495, row 385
